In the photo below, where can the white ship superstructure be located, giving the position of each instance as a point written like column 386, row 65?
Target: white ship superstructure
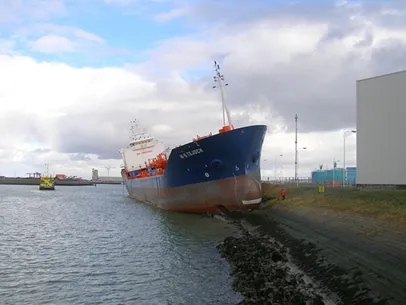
column 142, row 148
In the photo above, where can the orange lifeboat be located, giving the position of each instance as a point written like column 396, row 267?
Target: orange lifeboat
column 226, row 128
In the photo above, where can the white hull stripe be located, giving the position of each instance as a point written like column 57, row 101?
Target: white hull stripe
column 253, row 201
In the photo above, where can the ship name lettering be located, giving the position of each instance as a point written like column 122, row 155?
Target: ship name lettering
column 191, row 153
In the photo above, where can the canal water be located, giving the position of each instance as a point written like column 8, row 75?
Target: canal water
column 94, row 245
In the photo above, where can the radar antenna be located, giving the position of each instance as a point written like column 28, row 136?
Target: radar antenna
column 133, row 129
column 219, row 78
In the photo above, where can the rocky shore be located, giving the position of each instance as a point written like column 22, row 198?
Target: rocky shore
column 262, row 272
column 349, row 245
column 306, row 255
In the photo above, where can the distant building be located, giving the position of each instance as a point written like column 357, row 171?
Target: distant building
column 351, row 175
column 103, row 179
column 95, row 174
column 328, row 176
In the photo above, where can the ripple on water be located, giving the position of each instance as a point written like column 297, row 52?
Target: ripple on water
column 87, row 245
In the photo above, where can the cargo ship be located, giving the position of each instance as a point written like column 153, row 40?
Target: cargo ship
column 210, row 174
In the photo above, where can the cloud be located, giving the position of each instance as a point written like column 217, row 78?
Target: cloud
column 120, row 2
column 80, row 157
column 6, row 46
column 52, row 38
column 52, row 44
column 321, row 148
column 14, row 11
column 308, row 67
column 170, row 15
column 77, row 117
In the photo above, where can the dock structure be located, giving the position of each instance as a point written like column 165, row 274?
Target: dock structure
column 34, row 175
column 36, row 181
column 108, row 180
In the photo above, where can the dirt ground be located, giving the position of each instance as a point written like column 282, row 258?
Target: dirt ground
column 360, row 258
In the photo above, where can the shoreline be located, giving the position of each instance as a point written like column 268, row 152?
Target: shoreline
column 353, row 258
column 36, row 181
column 263, row 272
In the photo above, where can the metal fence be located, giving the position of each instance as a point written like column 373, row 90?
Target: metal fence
column 289, row 180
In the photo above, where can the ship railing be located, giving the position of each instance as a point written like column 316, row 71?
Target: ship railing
column 155, row 167
column 202, row 137
column 144, row 174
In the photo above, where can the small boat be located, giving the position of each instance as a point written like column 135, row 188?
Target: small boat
column 46, row 182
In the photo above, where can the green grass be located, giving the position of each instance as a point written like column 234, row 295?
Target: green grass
column 384, row 204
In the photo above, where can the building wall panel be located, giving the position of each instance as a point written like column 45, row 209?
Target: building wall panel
column 381, row 130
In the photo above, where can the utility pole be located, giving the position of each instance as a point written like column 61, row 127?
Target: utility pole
column 296, row 147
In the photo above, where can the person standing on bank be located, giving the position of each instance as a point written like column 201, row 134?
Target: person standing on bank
column 283, row 194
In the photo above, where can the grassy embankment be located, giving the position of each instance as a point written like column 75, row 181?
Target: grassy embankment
column 383, row 204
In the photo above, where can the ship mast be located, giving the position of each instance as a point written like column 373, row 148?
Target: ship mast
column 133, row 129
column 47, row 169
column 219, row 78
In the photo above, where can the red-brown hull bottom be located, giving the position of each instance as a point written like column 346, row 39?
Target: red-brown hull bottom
column 233, row 194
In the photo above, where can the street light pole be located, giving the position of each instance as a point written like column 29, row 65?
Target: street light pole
column 296, row 118
column 344, row 169
column 265, row 160
column 334, row 170
column 297, row 163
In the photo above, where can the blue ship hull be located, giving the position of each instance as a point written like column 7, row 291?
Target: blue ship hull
column 220, row 171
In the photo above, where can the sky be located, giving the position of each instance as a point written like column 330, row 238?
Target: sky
column 74, row 73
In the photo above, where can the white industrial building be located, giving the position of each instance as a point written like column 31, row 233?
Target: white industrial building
column 105, row 180
column 381, row 130
column 95, row 174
